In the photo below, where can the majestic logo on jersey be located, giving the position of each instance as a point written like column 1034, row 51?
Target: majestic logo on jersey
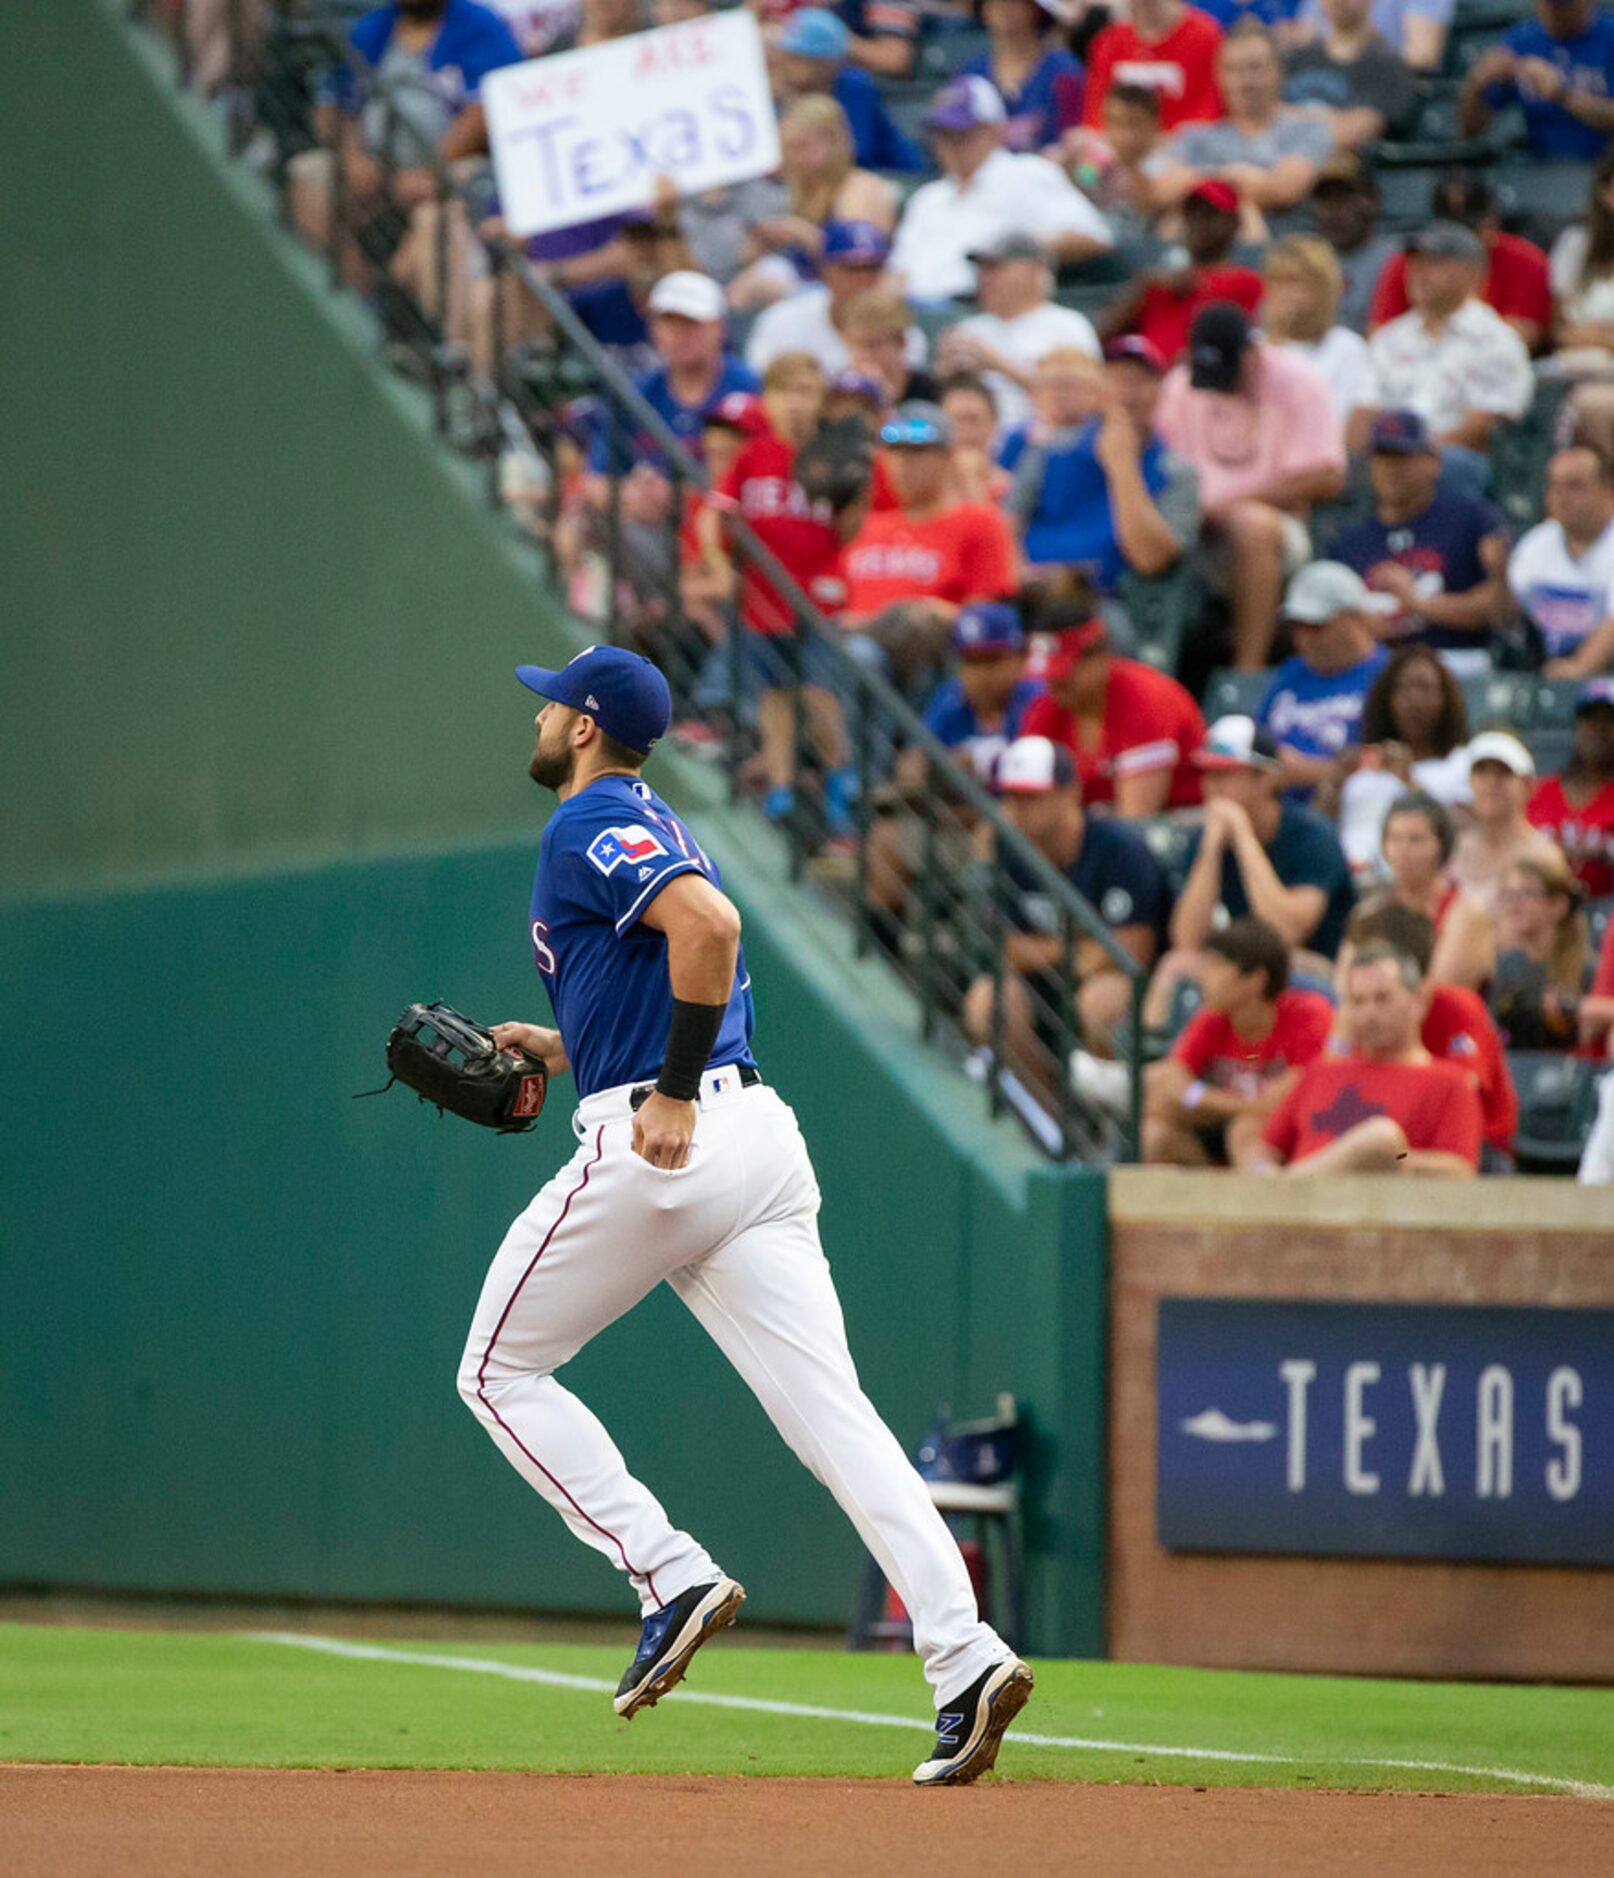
column 612, row 846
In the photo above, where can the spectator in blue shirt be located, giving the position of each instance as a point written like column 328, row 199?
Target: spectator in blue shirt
column 884, row 35
column 808, row 54
column 1560, row 68
column 1438, row 554
column 1038, row 80
column 1313, row 707
column 1100, row 493
column 433, row 55
column 696, row 372
column 1228, row 13
column 977, row 711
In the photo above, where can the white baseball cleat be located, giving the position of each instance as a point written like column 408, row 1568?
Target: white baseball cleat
column 970, row 1729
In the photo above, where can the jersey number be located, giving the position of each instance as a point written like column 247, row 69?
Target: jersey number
column 542, row 951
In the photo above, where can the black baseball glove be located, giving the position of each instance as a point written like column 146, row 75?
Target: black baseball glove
column 452, row 1063
column 836, row 463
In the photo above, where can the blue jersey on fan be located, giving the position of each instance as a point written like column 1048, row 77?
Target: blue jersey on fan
column 606, row 853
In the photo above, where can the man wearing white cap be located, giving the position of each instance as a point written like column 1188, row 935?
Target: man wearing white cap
column 696, row 370
column 983, row 194
column 1112, row 868
column 1313, row 706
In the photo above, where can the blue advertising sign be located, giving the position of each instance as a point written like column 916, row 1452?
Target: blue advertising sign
column 1386, row 1430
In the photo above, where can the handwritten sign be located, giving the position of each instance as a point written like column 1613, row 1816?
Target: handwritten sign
column 585, row 134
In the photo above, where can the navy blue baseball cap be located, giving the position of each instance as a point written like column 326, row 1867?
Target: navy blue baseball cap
column 988, row 627
column 1399, row 433
column 856, row 244
column 625, row 694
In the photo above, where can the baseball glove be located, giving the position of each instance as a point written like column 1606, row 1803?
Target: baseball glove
column 453, row 1064
column 836, row 463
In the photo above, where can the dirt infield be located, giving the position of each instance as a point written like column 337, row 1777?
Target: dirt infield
column 74, row 1822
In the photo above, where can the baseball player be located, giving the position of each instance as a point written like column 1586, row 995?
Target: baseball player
column 690, row 1169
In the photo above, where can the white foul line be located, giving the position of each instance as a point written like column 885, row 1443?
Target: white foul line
column 759, row 1705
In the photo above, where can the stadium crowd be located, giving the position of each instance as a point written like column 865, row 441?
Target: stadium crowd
column 1204, row 416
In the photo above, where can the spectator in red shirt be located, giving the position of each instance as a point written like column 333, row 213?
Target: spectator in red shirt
column 805, row 537
column 1166, row 46
column 1457, row 1028
column 1238, row 1056
column 1517, row 284
column 1162, row 305
column 910, row 569
column 1132, row 730
column 1386, row 1108
column 1577, row 808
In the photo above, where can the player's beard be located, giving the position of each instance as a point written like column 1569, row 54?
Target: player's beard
column 552, row 769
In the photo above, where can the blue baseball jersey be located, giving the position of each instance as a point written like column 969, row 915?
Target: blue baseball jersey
column 605, row 855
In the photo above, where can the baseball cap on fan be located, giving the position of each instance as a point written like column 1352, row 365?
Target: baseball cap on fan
column 965, row 103
column 625, row 694
column 988, row 628
column 1236, row 743
column 856, row 244
column 687, row 295
column 1324, row 589
column 1032, row 766
column 1073, row 645
column 814, row 33
column 1217, row 342
column 1501, row 746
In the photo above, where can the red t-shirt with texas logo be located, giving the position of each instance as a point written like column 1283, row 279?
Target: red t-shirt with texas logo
column 761, row 484
column 965, row 553
column 1436, row 1104
column 1213, row 1052
column 1150, row 722
column 1586, row 834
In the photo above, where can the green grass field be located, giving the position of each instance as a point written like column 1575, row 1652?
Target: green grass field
column 209, row 1699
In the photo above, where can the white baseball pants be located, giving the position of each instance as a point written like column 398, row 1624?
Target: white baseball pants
column 735, row 1233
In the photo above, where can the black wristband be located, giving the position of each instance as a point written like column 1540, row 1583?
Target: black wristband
column 691, row 1037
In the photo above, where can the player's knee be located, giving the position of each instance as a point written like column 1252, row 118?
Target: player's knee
column 469, row 1382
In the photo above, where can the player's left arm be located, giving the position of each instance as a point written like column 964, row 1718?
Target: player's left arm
column 702, row 929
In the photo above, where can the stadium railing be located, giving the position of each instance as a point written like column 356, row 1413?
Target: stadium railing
column 941, row 918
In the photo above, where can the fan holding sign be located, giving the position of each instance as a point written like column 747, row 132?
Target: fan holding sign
column 581, row 135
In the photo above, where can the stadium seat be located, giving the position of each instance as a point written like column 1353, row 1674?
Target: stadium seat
column 1550, row 748
column 1404, row 194
column 947, row 46
column 1552, row 703
column 1161, row 609
column 1519, row 453
column 1232, row 693
column 1557, row 1094
column 1500, row 698
column 1086, row 299
column 1537, row 199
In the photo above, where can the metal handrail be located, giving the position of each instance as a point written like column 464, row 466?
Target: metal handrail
column 943, row 775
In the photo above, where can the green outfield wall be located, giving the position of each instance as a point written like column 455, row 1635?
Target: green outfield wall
column 263, row 769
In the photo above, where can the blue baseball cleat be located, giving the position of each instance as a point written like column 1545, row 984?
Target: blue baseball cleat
column 670, row 1637
column 970, row 1729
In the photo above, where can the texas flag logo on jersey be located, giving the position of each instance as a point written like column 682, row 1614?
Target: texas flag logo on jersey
column 612, row 846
